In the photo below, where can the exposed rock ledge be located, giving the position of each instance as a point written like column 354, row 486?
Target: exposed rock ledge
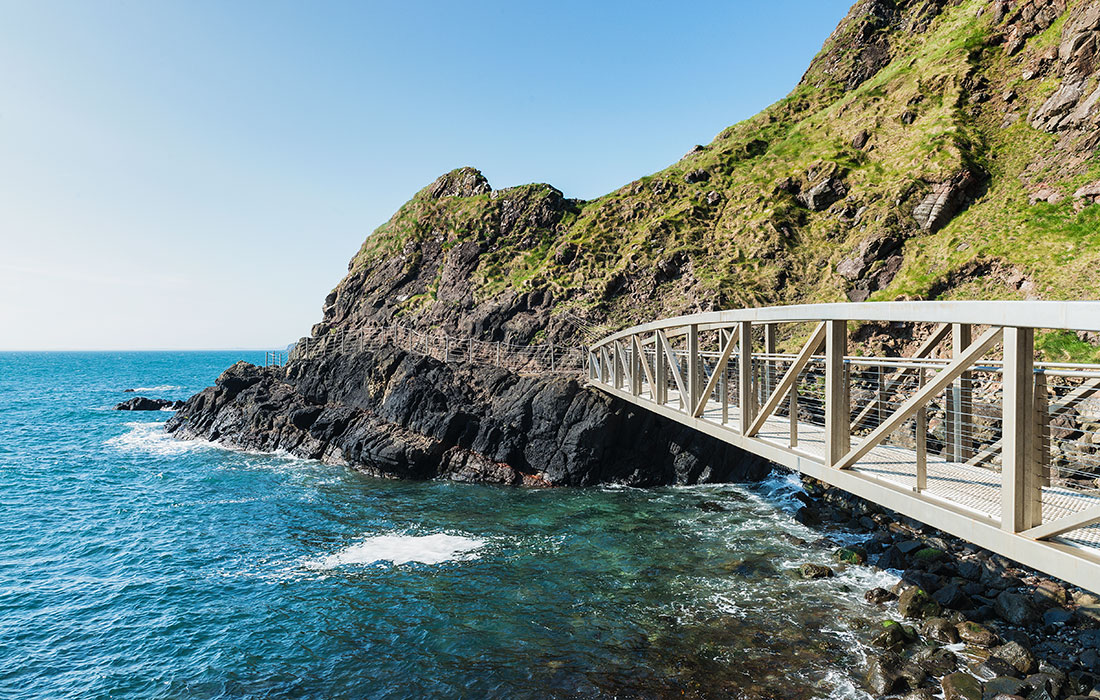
column 395, row 414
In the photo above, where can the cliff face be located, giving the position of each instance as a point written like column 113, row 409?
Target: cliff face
column 927, row 140
column 933, row 149
column 394, row 414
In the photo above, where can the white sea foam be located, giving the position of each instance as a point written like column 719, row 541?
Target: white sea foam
column 161, row 387
column 402, row 549
column 150, row 438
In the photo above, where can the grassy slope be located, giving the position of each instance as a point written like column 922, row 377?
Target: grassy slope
column 757, row 245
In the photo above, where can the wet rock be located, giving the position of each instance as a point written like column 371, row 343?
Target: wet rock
column 920, row 694
column 961, row 686
column 892, row 637
column 940, row 630
column 883, row 673
column 937, row 661
column 952, row 596
column 973, row 633
column 992, row 667
column 1019, row 656
column 815, row 571
column 1016, row 609
column 1006, row 685
column 851, row 555
column 914, row 603
column 141, row 403
column 878, row 596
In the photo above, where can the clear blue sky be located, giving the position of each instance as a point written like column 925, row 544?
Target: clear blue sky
column 197, row 174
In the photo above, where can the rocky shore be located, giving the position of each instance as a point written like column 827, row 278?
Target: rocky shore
column 968, row 624
column 391, row 413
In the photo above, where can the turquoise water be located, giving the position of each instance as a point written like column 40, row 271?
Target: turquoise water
column 136, row 566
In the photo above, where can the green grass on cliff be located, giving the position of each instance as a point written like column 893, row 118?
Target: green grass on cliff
column 662, row 245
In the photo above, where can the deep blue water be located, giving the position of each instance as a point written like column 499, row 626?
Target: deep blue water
column 136, row 566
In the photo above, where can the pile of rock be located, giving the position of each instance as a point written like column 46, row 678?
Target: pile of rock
column 970, row 624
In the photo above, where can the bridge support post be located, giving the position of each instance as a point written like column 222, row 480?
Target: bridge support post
column 838, row 430
column 746, row 392
column 660, row 374
column 1021, row 480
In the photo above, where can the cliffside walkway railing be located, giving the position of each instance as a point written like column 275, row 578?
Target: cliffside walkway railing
column 536, row 359
column 968, row 434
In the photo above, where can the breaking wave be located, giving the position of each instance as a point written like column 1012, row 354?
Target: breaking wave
column 402, row 549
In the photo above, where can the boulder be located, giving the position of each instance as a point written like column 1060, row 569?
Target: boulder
column 878, row 596
column 815, row 571
column 1006, row 685
column 697, row 175
column 944, row 201
column 822, row 195
column 914, row 603
column 1016, row 609
column 961, row 686
column 1017, row 655
column 938, row 629
column 973, row 633
column 937, row 661
column 851, row 555
column 1089, row 192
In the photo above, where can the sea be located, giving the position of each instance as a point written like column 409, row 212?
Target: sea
column 134, row 565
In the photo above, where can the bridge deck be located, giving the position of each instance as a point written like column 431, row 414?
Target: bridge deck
column 975, row 489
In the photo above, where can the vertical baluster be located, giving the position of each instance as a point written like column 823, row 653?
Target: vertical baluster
column 723, row 379
column 793, row 409
column 838, row 435
column 921, row 436
column 659, row 371
column 693, row 368
column 745, row 388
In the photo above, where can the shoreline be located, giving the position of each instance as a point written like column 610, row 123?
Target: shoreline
column 967, row 623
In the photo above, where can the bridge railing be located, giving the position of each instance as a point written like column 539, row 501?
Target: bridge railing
column 542, row 358
column 968, row 417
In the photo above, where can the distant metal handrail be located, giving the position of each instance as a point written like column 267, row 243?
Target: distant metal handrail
column 548, row 358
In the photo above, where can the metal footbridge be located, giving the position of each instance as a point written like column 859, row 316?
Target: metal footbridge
column 968, row 433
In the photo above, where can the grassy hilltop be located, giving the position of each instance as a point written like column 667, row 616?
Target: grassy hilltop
column 933, row 150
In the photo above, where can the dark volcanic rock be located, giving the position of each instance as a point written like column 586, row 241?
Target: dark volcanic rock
column 397, row 414
column 141, row 403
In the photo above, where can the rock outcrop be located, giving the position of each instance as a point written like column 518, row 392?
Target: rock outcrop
column 141, row 403
column 392, row 413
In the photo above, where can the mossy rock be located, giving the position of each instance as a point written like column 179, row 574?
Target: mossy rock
column 851, row 555
column 928, row 554
column 915, row 604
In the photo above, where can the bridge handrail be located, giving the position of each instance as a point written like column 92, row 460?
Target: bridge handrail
column 1053, row 315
